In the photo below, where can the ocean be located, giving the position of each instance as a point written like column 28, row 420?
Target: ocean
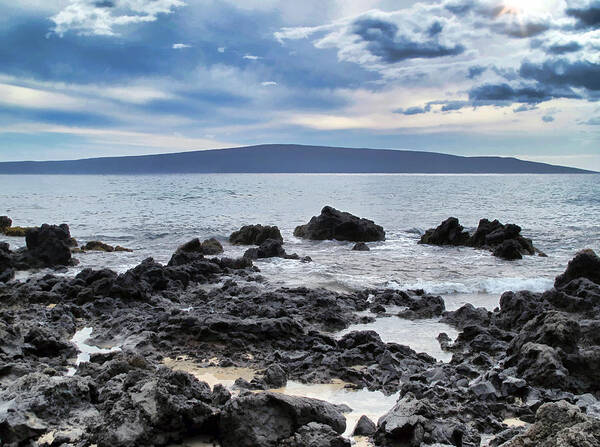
column 154, row 214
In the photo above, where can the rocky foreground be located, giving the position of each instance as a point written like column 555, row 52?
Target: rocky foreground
column 535, row 358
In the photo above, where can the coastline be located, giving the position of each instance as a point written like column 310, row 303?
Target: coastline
column 509, row 367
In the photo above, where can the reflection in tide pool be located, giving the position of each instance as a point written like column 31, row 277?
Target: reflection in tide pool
column 420, row 335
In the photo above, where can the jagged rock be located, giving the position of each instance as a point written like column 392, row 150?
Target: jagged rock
column 212, row 247
column 316, row 435
column 275, row 376
column 333, row 224
column 449, row 232
column 413, row 422
column 509, row 250
column 505, row 241
column 361, row 246
column 364, row 427
column 255, row 235
column 47, row 246
column 7, row 271
column 559, row 424
column 266, row 419
column 5, row 222
column 270, row 248
column 585, row 264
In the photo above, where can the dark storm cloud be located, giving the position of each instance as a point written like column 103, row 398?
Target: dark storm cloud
column 476, row 71
column 384, row 41
column 563, row 73
column 565, row 48
column 588, row 17
column 504, row 94
column 104, row 4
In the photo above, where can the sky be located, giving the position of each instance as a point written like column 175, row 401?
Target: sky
column 90, row 78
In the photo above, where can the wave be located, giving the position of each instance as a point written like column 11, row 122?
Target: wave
column 482, row 285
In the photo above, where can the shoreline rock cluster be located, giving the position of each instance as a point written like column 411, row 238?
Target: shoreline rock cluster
column 504, row 241
column 534, row 358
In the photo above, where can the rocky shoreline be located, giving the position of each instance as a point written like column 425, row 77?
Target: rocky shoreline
column 534, row 359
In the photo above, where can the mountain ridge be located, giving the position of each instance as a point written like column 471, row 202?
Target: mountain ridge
column 290, row 158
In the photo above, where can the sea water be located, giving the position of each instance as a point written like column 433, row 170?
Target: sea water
column 154, row 214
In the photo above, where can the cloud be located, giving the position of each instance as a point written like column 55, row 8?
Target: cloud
column 268, row 83
column 547, row 118
column 563, row 48
column 88, row 17
column 592, row 121
column 564, row 73
column 179, row 46
column 251, row 57
column 504, row 94
column 587, row 15
column 476, row 71
column 525, row 108
column 451, row 106
column 221, row 49
column 413, row 110
column 384, row 40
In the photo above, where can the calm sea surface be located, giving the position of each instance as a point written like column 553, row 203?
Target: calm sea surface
column 154, row 214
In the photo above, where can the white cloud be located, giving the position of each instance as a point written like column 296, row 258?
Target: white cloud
column 100, row 17
column 221, row 49
column 179, row 46
column 251, row 57
column 268, row 83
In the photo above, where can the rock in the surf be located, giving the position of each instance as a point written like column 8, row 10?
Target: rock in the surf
column 504, row 241
column 332, row 224
column 585, row 264
column 364, row 427
column 5, row 222
column 47, row 246
column 208, row 247
column 255, row 235
column 361, row 246
column 449, row 232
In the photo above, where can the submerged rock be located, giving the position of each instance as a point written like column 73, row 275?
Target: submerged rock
column 101, row 246
column 255, row 235
column 361, row 246
column 333, row 224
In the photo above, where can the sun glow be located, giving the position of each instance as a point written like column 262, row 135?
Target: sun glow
column 517, row 7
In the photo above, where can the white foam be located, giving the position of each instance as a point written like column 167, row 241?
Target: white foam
column 481, row 285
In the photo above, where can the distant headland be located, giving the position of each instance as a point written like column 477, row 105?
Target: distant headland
column 288, row 158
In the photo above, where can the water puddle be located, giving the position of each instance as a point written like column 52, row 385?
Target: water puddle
column 212, row 375
column 373, row 404
column 420, row 335
column 85, row 351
